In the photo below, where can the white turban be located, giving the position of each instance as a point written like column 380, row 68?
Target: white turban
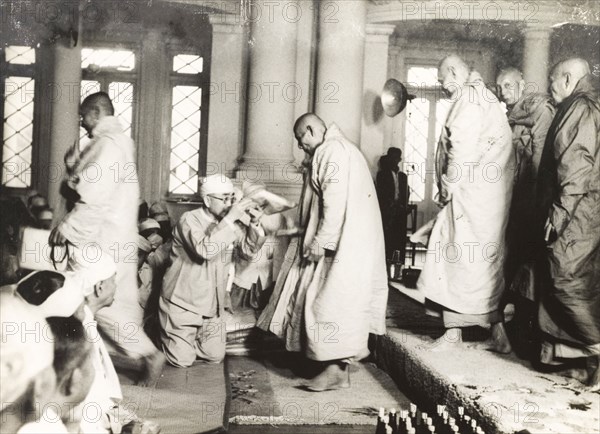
column 216, row 184
column 26, row 346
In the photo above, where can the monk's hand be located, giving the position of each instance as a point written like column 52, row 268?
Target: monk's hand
column 256, row 214
column 56, row 237
column 314, row 252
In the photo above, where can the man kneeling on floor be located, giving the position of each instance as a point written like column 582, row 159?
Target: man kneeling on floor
column 194, row 294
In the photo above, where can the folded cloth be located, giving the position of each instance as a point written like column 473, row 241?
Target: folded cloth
column 270, row 203
column 421, row 235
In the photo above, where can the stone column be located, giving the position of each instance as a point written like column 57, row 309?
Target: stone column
column 64, row 115
column 227, row 107
column 152, row 138
column 372, row 140
column 536, row 54
column 271, row 93
column 340, row 62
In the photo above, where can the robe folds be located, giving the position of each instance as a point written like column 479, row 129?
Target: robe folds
column 327, row 309
column 463, row 269
column 104, row 176
column 530, row 119
column 570, row 199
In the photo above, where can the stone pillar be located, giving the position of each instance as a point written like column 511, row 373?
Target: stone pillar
column 372, row 140
column 64, row 115
column 227, row 101
column 536, row 54
column 152, row 138
column 340, row 62
column 271, row 94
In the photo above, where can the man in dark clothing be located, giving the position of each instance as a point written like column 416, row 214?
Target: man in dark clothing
column 569, row 193
column 392, row 192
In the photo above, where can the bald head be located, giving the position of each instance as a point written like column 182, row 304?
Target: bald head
column 565, row 75
column 99, row 101
column 93, row 108
column 510, row 85
column 309, row 130
column 453, row 73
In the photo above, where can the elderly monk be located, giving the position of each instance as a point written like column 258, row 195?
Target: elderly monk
column 194, row 297
column 569, row 314
column 530, row 116
column 463, row 273
column 335, row 291
column 104, row 178
column 27, row 377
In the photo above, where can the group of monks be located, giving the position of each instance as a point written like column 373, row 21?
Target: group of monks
column 532, row 224
column 520, row 214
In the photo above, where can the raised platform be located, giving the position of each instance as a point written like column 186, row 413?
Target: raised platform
column 503, row 393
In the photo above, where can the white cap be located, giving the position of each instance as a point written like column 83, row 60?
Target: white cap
column 216, row 184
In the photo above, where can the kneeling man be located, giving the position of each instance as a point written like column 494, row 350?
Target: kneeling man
column 194, row 295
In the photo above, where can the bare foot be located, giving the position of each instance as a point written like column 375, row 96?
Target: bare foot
column 153, row 368
column 334, row 376
column 451, row 340
column 497, row 343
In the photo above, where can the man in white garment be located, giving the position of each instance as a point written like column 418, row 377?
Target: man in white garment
column 463, row 272
column 27, row 378
column 82, row 294
column 104, row 217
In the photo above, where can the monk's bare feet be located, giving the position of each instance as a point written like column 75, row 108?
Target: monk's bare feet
column 334, row 376
column 153, row 368
column 498, row 342
column 451, row 340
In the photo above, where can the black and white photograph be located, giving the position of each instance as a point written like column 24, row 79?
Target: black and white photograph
column 300, row 216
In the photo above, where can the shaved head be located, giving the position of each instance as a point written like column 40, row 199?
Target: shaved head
column 93, row 108
column 453, row 73
column 456, row 62
column 576, row 66
column 565, row 75
column 98, row 101
column 511, row 85
column 308, row 119
column 309, row 130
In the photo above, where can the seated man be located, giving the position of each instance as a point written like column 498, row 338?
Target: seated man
column 82, row 295
column 26, row 375
column 194, row 296
column 74, row 368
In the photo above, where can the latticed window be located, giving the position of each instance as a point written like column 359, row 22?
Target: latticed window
column 425, row 117
column 17, row 76
column 112, row 71
column 188, row 125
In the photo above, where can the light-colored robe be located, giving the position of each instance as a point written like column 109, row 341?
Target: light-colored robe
column 105, row 177
column 327, row 309
column 463, row 270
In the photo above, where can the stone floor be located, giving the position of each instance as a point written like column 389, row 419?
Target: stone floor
column 502, row 392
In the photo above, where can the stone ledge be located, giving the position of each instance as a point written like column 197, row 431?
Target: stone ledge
column 503, row 393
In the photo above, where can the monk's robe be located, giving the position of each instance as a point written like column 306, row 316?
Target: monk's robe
column 529, row 119
column 327, row 309
column 569, row 180
column 463, row 270
column 104, row 178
